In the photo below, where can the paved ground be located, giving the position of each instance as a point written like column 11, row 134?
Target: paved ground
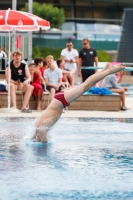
column 94, row 114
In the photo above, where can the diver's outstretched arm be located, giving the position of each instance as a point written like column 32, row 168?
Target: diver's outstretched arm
column 40, row 136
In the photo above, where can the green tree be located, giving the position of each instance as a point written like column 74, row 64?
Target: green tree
column 54, row 15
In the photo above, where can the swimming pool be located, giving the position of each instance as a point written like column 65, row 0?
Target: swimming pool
column 85, row 158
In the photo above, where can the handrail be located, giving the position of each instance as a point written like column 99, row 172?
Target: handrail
column 91, row 67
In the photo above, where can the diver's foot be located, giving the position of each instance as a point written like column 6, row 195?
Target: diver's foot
column 106, row 66
column 116, row 68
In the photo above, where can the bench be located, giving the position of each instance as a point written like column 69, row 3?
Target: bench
column 85, row 102
column 97, row 102
column 32, row 102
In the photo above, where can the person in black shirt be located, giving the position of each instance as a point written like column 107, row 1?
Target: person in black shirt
column 19, row 80
column 87, row 57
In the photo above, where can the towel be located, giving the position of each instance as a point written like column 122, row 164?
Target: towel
column 2, row 88
column 3, row 82
column 97, row 90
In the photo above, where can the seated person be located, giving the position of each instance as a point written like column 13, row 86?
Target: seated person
column 119, row 76
column 110, row 83
column 19, row 80
column 68, row 76
column 44, row 66
column 40, row 70
column 53, row 77
column 51, row 115
column 36, row 83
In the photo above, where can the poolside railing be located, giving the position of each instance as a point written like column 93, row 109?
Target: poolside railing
column 130, row 69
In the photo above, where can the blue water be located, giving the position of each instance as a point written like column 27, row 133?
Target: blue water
column 83, row 159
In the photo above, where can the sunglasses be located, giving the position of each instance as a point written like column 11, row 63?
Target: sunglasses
column 84, row 43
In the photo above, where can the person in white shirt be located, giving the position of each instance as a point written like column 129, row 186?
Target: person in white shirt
column 70, row 56
column 53, row 77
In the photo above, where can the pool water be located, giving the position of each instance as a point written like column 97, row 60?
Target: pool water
column 84, row 158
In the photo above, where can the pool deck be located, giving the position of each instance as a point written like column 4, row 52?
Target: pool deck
column 76, row 113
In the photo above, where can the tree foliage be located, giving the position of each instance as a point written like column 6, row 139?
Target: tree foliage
column 54, row 15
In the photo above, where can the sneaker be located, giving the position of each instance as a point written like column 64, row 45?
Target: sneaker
column 123, row 108
column 23, row 110
column 26, row 110
column 29, row 110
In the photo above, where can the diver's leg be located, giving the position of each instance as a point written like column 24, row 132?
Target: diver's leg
column 76, row 92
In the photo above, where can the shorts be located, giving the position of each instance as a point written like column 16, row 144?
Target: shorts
column 86, row 73
column 18, row 88
column 50, row 87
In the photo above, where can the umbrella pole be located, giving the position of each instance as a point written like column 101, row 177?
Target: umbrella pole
column 9, row 110
column 9, row 73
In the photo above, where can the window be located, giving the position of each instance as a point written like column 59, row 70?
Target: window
column 83, row 12
column 68, row 29
column 68, row 11
column 105, row 10
column 84, row 30
column 83, row 3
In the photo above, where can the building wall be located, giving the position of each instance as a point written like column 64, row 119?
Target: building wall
column 104, row 9
column 95, row 19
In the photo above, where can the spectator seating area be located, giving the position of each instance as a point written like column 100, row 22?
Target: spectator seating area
column 85, row 102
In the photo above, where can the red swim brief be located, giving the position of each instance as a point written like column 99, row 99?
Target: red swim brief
column 60, row 96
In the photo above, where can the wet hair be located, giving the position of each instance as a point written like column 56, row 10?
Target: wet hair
column 38, row 60
column 17, row 52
